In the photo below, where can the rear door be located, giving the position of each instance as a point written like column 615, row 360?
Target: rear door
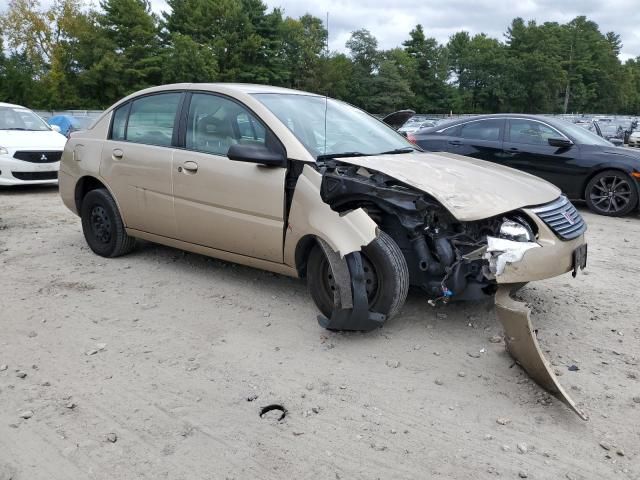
column 481, row 139
column 527, row 148
column 136, row 161
column 220, row 203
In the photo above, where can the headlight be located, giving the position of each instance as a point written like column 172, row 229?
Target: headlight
column 516, row 230
column 4, row 151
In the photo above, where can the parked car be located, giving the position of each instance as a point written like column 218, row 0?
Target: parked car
column 30, row 150
column 411, row 127
column 634, row 139
column 610, row 131
column 583, row 165
column 306, row 186
column 397, row 119
column 69, row 124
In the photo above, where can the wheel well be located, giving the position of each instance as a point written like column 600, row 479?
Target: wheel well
column 303, row 249
column 84, row 186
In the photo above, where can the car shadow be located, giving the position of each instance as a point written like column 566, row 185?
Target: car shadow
column 16, row 190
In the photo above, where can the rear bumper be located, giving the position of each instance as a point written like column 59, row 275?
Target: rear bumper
column 19, row 172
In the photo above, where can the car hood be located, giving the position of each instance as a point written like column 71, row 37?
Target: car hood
column 470, row 189
column 25, row 140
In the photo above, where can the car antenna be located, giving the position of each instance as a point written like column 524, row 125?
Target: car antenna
column 326, row 96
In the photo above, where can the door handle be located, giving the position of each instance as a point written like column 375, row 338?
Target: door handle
column 455, row 143
column 188, row 167
column 514, row 149
column 117, row 153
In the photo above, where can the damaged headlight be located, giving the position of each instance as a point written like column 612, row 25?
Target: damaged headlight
column 516, row 230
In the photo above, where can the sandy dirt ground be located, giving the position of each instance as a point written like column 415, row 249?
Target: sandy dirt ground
column 156, row 365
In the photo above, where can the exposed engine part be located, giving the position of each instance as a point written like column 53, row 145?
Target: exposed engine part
column 522, row 344
column 436, row 246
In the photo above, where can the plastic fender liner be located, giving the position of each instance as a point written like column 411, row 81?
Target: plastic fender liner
column 351, row 305
column 522, row 344
column 309, row 215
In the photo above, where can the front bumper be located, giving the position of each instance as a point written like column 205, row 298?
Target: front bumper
column 522, row 343
column 20, row 172
column 634, row 142
column 553, row 259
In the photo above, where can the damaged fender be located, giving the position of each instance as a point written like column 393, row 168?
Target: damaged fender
column 344, row 233
column 522, row 344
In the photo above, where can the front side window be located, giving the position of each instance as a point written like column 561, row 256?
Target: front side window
column 330, row 127
column 531, row 133
column 488, row 130
column 215, row 123
column 151, row 119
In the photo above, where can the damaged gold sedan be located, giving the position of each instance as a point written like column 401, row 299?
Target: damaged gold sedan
column 311, row 187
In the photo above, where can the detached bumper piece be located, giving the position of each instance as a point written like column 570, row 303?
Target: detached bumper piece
column 351, row 305
column 522, row 344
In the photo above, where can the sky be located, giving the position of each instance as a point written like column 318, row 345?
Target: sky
column 391, row 20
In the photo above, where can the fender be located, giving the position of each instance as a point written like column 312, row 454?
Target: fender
column 344, row 233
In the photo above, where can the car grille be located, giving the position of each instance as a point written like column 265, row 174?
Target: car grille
column 35, row 175
column 38, row 157
column 563, row 218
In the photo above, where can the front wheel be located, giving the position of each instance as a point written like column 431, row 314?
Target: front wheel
column 612, row 193
column 102, row 225
column 385, row 271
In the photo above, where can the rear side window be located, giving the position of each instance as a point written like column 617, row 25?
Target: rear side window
column 488, row 130
column 152, row 118
column 147, row 120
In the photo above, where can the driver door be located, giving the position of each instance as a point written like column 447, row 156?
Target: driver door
column 228, row 205
column 526, row 148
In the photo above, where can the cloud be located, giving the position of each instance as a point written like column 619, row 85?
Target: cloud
column 391, row 21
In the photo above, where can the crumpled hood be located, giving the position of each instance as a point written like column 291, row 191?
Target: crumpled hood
column 30, row 140
column 470, row 189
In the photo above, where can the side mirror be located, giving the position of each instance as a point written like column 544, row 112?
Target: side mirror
column 255, row 154
column 560, row 142
column 55, row 128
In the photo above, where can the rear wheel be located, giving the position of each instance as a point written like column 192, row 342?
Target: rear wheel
column 102, row 225
column 385, row 271
column 612, row 193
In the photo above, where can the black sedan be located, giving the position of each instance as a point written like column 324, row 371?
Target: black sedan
column 582, row 164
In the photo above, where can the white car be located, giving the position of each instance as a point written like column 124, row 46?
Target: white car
column 30, row 150
column 634, row 139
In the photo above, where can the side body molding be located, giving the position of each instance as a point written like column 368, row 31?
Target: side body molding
column 309, row 215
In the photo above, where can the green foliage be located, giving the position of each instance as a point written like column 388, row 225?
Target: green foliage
column 70, row 55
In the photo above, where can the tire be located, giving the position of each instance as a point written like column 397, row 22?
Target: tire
column 386, row 273
column 612, row 193
column 102, row 225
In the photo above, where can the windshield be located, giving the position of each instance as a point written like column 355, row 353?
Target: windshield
column 18, row 118
column 348, row 129
column 582, row 136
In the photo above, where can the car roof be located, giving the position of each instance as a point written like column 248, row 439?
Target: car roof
column 247, row 88
column 459, row 120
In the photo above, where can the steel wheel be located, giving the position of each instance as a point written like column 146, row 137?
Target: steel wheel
column 371, row 280
column 611, row 194
column 100, row 224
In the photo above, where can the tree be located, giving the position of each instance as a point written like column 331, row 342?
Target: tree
column 429, row 79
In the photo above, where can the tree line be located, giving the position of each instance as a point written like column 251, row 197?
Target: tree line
column 72, row 56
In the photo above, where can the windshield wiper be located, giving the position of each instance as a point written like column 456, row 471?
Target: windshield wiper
column 13, row 128
column 399, row 150
column 328, row 156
